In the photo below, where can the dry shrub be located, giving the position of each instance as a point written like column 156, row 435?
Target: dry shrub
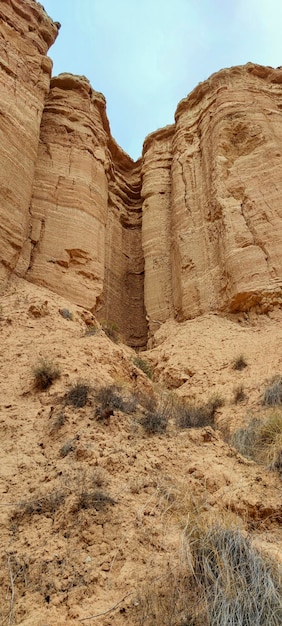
column 66, row 448
column 110, row 399
column 261, row 440
column 220, row 580
column 78, row 395
column 95, row 499
column 45, row 505
column 238, row 585
column 155, row 422
column 273, row 393
column 193, row 416
column 239, row 363
column 239, row 394
column 45, row 373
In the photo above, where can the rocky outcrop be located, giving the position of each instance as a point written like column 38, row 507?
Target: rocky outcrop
column 193, row 226
column 26, row 33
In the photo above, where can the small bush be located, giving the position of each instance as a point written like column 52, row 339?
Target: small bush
column 261, row 440
column 43, row 505
column 273, row 393
column 95, row 499
column 110, row 399
column 239, row 586
column 155, row 422
column 192, row 416
column 239, row 363
column 78, row 395
column 143, row 365
column 91, row 330
column 66, row 314
column 111, row 330
column 45, row 373
column 239, row 394
column 66, row 449
column 58, row 422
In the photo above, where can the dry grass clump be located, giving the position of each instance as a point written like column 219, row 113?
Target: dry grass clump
column 220, row 580
column 95, row 499
column 239, row 363
column 110, row 399
column 261, row 440
column 195, row 416
column 66, row 314
column 78, row 395
column 239, row 394
column 273, row 393
column 239, row 586
column 45, row 505
column 155, row 422
column 66, row 448
column 45, row 373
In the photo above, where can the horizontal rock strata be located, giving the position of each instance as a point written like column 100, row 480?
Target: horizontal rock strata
column 193, row 226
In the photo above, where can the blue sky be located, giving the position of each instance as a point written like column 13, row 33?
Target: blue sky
column 146, row 55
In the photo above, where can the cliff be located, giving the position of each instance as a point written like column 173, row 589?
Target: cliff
column 193, row 226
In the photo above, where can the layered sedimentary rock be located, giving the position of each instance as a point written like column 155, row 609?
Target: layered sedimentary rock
column 224, row 164
column 26, row 33
column 193, row 226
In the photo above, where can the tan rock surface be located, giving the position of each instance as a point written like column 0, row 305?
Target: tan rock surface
column 26, row 33
column 70, row 564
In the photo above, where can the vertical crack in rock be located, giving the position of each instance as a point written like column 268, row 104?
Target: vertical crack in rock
column 193, row 226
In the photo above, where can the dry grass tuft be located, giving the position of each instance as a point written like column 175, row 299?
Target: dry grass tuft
column 45, row 373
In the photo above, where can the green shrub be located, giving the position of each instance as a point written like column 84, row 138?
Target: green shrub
column 143, row 365
column 45, row 373
column 111, row 330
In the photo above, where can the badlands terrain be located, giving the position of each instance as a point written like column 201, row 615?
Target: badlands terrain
column 141, row 350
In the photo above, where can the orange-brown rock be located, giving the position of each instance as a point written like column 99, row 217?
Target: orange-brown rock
column 224, row 167
column 192, row 227
column 26, row 33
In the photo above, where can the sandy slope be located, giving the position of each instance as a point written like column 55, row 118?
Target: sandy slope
column 63, row 564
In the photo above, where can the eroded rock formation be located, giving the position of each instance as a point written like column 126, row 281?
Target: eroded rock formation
column 193, row 226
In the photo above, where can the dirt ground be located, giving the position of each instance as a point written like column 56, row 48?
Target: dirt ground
column 69, row 560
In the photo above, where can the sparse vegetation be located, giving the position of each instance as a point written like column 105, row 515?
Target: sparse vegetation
column 273, row 393
column 95, row 499
column 143, row 365
column 66, row 314
column 91, row 330
column 45, row 373
column 261, row 440
column 193, row 416
column 110, row 399
column 67, row 448
column 43, row 505
column 239, row 586
column 111, row 330
column 239, row 394
column 239, row 363
column 220, row 580
column 78, row 395
column 58, row 422
column 155, row 422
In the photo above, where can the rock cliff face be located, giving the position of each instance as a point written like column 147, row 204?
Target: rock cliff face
column 26, row 33
column 194, row 226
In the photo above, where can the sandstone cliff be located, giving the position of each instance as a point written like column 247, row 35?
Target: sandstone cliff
column 192, row 227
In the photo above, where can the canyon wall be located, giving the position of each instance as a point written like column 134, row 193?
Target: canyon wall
column 26, row 34
column 193, row 226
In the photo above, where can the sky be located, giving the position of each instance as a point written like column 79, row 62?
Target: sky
column 146, row 55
